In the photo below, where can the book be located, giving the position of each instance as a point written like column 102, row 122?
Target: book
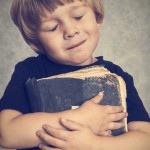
column 70, row 90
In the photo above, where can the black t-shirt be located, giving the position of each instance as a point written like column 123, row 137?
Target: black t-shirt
column 39, row 67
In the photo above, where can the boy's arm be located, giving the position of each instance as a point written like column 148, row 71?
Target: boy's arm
column 138, row 138
column 19, row 131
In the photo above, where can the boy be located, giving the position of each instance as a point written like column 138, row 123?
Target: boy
column 64, row 33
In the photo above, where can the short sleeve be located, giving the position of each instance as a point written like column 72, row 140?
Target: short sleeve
column 135, row 108
column 15, row 96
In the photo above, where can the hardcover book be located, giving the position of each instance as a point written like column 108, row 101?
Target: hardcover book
column 70, row 90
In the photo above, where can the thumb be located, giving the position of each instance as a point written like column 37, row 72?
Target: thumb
column 105, row 133
column 71, row 125
column 98, row 98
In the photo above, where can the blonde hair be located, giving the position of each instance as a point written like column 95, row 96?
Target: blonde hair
column 26, row 16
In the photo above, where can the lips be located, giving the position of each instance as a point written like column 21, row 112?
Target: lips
column 76, row 45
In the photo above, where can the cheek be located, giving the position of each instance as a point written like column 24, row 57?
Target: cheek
column 93, row 32
column 91, row 27
column 91, row 24
column 50, row 43
column 94, row 35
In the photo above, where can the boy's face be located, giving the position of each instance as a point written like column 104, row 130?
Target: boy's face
column 70, row 34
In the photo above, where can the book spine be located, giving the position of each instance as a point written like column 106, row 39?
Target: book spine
column 33, row 94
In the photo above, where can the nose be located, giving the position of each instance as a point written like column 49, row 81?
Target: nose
column 70, row 30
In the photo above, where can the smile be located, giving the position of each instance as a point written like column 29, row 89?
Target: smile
column 76, row 45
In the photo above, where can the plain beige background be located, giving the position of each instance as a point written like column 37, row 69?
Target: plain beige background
column 125, row 40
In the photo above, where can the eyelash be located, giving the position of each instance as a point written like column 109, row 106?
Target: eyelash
column 53, row 29
column 79, row 18
column 76, row 18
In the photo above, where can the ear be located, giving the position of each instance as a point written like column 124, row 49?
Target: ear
column 99, row 21
column 98, row 24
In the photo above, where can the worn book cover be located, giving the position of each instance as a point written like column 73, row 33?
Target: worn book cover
column 70, row 90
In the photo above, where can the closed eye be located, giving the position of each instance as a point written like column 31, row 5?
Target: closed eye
column 53, row 29
column 79, row 17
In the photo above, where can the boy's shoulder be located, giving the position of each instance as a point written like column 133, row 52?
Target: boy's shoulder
column 112, row 67
column 31, row 66
column 32, row 60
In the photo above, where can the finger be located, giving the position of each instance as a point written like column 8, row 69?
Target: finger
column 45, row 147
column 115, row 125
column 98, row 98
column 57, row 133
column 71, row 125
column 49, row 140
column 117, row 116
column 114, row 109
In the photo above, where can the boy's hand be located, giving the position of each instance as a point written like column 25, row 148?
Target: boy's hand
column 100, row 118
column 76, row 137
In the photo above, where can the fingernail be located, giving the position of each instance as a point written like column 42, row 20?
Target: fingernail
column 44, row 126
column 40, row 146
column 122, row 124
column 63, row 120
column 100, row 93
column 109, row 132
column 38, row 133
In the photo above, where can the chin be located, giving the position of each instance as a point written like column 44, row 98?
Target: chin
column 81, row 61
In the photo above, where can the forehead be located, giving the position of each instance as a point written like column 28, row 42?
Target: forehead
column 37, row 8
column 52, row 5
column 46, row 13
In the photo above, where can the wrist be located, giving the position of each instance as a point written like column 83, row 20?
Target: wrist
column 73, row 114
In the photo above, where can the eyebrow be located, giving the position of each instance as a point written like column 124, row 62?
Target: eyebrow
column 72, row 8
column 75, row 7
